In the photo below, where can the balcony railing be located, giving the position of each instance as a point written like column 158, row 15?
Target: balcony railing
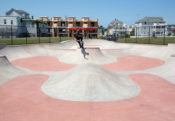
column 69, row 27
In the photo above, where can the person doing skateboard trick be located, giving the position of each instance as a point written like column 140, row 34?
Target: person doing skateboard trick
column 79, row 39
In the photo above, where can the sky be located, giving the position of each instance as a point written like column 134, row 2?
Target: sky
column 127, row 11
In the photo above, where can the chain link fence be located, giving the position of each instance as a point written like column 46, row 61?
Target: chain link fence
column 12, row 35
column 145, row 35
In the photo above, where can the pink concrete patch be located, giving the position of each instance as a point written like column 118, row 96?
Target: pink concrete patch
column 133, row 63
column 23, row 100
column 42, row 63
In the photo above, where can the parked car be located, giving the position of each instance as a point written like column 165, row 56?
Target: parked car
column 111, row 38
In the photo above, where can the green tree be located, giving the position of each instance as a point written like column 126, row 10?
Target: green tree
column 102, row 29
column 37, row 21
column 132, row 33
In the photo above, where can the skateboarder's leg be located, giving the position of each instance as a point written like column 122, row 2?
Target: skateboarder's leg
column 82, row 43
column 79, row 43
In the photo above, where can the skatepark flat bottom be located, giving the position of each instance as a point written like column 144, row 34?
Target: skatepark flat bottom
column 106, row 81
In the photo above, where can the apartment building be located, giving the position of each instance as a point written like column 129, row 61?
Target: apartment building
column 67, row 27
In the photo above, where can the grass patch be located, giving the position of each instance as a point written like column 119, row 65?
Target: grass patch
column 159, row 41
column 33, row 40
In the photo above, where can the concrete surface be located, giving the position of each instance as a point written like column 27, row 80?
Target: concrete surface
column 105, row 82
column 95, row 84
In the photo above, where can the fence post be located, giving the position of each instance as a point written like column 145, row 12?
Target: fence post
column 164, row 36
column 125, row 35
column 2, row 34
column 26, row 37
column 136, row 34
column 39, row 34
column 49, row 38
column 149, row 35
column 11, row 35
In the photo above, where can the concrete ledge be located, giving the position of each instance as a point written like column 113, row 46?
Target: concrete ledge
column 4, row 61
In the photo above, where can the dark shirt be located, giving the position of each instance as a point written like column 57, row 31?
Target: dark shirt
column 78, row 36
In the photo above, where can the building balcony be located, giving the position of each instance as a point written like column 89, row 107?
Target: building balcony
column 59, row 27
column 82, row 28
column 93, row 33
column 63, row 32
column 74, row 27
column 152, row 25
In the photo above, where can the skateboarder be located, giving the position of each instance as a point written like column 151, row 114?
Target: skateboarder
column 79, row 39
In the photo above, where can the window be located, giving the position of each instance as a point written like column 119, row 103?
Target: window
column 78, row 24
column 49, row 24
column 11, row 22
column 5, row 21
column 62, row 23
column 92, row 24
column 62, row 30
column 92, row 31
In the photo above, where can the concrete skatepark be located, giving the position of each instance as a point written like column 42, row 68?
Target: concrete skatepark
column 106, row 81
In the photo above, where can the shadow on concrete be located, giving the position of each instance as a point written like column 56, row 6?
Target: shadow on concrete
column 3, row 46
column 83, row 51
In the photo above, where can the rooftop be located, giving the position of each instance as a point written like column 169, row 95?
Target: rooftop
column 115, row 24
column 17, row 11
column 151, row 20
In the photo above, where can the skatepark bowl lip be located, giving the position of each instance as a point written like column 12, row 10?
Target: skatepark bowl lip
column 60, row 84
